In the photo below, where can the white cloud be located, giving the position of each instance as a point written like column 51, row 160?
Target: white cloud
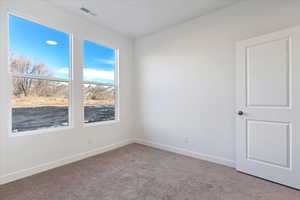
column 106, row 61
column 63, row 71
column 93, row 74
column 51, row 42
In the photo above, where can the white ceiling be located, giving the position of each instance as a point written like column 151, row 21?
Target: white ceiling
column 136, row 18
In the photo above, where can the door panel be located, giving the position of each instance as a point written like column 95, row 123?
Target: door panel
column 268, row 94
column 263, row 136
column 267, row 62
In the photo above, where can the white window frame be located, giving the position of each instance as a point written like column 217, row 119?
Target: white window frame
column 69, row 80
column 115, row 85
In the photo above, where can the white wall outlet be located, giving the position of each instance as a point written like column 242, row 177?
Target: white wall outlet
column 186, row 140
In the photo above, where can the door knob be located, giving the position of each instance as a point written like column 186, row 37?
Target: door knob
column 240, row 112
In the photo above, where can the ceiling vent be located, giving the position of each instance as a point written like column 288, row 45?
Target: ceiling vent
column 87, row 11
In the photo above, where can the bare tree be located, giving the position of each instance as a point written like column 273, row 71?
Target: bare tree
column 99, row 92
column 30, row 87
column 23, row 65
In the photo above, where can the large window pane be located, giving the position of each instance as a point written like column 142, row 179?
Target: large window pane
column 31, row 44
column 39, row 104
column 39, row 59
column 99, row 83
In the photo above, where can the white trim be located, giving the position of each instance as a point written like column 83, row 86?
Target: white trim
column 3, row 89
column 71, row 85
column 210, row 158
column 58, row 163
column 61, row 162
column 43, row 130
column 98, row 83
column 117, row 84
column 109, row 122
column 34, row 19
column 46, row 78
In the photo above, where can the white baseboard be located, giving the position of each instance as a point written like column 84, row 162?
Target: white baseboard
column 214, row 159
column 58, row 163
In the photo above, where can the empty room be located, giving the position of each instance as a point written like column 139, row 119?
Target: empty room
column 149, row 100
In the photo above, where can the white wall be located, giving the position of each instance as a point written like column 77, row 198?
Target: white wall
column 24, row 155
column 185, row 77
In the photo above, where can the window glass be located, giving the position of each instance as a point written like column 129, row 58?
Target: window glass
column 39, row 104
column 99, row 83
column 99, row 63
column 39, row 45
column 39, row 64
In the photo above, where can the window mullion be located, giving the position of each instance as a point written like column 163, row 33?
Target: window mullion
column 29, row 76
column 97, row 83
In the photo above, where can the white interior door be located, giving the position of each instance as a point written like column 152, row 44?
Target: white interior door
column 268, row 107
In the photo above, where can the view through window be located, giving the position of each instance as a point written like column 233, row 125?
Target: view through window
column 99, row 84
column 39, row 60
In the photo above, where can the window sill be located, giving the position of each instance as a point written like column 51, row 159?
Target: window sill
column 86, row 125
column 40, row 131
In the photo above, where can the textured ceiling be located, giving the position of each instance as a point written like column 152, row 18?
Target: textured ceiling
column 136, row 18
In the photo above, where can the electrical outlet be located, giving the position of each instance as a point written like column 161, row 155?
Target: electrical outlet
column 186, row 140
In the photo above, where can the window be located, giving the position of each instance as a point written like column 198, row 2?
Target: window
column 99, row 83
column 39, row 62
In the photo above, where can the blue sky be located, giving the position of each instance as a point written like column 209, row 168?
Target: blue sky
column 30, row 40
column 99, row 62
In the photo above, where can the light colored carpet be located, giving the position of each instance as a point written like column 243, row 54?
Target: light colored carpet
column 137, row 172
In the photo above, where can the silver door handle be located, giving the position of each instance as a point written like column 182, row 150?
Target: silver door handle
column 240, row 112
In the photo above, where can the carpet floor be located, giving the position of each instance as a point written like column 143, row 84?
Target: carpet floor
column 137, row 172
